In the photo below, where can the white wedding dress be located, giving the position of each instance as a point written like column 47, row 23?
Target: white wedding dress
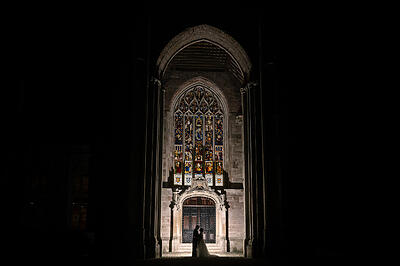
column 202, row 250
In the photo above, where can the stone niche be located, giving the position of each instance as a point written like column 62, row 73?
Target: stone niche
column 230, row 222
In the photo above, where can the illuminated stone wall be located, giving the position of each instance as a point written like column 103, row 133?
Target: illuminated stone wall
column 234, row 163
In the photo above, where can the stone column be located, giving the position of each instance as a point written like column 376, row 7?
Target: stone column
column 253, row 193
column 227, row 241
column 153, row 170
column 146, row 178
column 172, row 236
column 247, row 187
column 151, row 167
column 263, row 140
column 259, row 169
column 147, row 197
column 254, row 174
column 160, row 92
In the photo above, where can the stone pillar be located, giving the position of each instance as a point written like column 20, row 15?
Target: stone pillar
column 160, row 92
column 260, row 170
column 253, row 169
column 254, row 174
column 144, row 180
column 153, row 170
column 227, row 241
column 177, row 240
column 151, row 167
column 263, row 219
column 171, row 227
column 147, row 195
column 247, row 245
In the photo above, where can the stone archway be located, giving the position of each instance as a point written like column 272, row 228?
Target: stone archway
column 209, row 34
column 230, row 236
column 200, row 189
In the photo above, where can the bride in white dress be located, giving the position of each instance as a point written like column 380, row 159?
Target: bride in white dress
column 202, row 250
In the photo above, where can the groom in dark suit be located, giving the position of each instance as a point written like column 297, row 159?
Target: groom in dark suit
column 196, row 235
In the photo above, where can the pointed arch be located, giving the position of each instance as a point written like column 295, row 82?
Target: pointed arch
column 209, row 34
column 216, row 150
column 199, row 81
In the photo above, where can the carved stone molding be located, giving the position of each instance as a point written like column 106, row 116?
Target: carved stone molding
column 156, row 82
column 251, row 85
column 239, row 119
column 199, row 188
column 248, row 86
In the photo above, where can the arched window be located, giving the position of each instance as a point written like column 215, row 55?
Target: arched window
column 199, row 137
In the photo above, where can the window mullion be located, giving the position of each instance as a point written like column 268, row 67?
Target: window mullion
column 193, row 144
column 204, row 144
column 183, row 149
column 213, row 148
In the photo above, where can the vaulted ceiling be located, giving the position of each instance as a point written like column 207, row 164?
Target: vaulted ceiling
column 207, row 57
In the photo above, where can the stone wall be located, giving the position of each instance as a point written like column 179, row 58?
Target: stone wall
column 235, row 198
column 230, row 89
column 166, row 196
column 236, row 155
column 234, row 158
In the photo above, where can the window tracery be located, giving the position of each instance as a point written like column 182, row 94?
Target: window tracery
column 199, row 136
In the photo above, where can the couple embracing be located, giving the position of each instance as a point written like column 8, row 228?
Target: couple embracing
column 199, row 246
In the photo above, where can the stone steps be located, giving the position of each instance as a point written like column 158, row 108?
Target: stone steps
column 189, row 254
column 185, row 250
column 210, row 250
column 188, row 248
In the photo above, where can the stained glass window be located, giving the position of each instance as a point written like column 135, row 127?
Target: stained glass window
column 199, row 136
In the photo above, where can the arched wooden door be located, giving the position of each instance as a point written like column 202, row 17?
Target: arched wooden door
column 198, row 211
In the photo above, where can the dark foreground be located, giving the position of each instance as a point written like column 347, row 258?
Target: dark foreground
column 187, row 261
column 242, row 261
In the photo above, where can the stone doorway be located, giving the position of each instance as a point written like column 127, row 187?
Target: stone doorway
column 198, row 211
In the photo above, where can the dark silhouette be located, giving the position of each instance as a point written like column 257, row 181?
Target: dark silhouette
column 201, row 233
column 196, row 236
column 202, row 250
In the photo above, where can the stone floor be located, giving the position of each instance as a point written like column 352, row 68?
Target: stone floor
column 189, row 261
column 233, row 261
column 189, row 254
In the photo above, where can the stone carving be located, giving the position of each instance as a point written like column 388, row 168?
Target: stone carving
column 199, row 187
column 156, row 82
column 239, row 119
column 251, row 85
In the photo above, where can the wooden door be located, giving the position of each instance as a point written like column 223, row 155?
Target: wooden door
column 198, row 211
